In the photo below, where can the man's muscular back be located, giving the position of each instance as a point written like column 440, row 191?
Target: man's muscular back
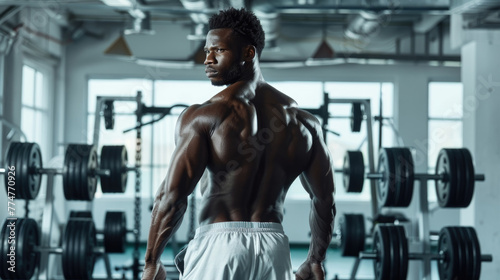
column 258, row 144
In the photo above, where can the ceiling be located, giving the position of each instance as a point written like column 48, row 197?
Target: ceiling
column 295, row 29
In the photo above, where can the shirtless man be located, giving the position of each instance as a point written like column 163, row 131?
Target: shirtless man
column 254, row 142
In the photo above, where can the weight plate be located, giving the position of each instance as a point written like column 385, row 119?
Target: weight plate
column 26, row 259
column 386, row 185
column 79, row 178
column 381, row 247
column 26, row 158
column 356, row 117
column 78, row 249
column 114, row 159
column 469, row 182
column 11, row 160
column 67, row 247
column 410, row 175
column 476, row 253
column 29, row 237
column 352, row 228
column 447, row 245
column 460, row 272
column 115, row 232
column 467, row 249
column 353, row 172
column 446, row 187
column 109, row 116
column 403, row 254
column 460, row 175
column 394, row 252
column 399, row 172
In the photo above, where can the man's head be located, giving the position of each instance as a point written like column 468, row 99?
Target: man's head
column 245, row 25
column 235, row 37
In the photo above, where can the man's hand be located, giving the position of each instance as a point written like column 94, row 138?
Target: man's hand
column 154, row 272
column 310, row 271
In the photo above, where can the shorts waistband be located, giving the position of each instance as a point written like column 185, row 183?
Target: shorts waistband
column 240, row 227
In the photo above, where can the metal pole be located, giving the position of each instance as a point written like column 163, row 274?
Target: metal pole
column 424, row 230
column 48, row 213
column 371, row 156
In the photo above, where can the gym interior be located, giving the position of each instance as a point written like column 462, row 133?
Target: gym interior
column 105, row 81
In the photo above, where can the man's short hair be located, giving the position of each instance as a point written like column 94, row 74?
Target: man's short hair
column 243, row 22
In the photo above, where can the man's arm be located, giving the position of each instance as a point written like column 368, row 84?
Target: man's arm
column 317, row 179
column 187, row 165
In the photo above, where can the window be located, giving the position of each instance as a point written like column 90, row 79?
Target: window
column 445, row 122
column 35, row 111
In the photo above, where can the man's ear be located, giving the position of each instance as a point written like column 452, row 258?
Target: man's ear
column 249, row 53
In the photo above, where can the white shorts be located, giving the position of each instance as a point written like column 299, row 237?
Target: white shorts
column 237, row 250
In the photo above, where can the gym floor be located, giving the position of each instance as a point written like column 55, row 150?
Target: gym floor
column 335, row 263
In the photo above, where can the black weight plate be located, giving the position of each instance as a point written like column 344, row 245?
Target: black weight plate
column 68, row 250
column 5, row 273
column 469, row 182
column 21, row 175
column 115, row 230
column 115, row 159
column 28, row 238
column 87, row 250
column 87, row 169
column 381, row 247
column 410, row 178
column 445, row 189
column 69, row 174
column 447, row 245
column 104, row 164
column 353, row 172
column 354, row 235
column 385, row 186
column 345, row 237
column 475, row 257
column 403, row 254
column 466, row 246
column 460, row 164
column 15, row 150
column 394, row 252
column 9, row 161
column 19, row 227
column 79, row 176
column 460, row 272
column 35, row 178
column 4, row 234
column 356, row 117
column 399, row 171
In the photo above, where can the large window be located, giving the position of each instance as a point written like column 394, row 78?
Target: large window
column 158, row 139
column 445, row 121
column 35, row 112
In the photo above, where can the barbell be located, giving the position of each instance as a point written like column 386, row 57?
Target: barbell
column 454, row 175
column 80, row 171
column 459, row 253
column 115, row 229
